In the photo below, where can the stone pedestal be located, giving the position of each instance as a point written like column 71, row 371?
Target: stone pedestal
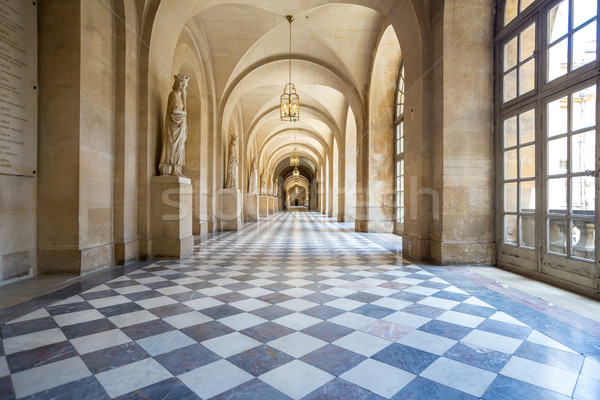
column 252, row 203
column 275, row 204
column 229, row 209
column 263, row 206
column 171, row 217
column 270, row 203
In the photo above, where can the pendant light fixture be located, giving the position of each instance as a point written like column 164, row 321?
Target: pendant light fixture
column 289, row 109
column 294, row 158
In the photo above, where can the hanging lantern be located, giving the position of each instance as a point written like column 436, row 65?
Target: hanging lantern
column 294, row 159
column 296, row 171
column 289, row 108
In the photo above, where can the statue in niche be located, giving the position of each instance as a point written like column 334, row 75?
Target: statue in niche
column 253, row 176
column 232, row 164
column 172, row 157
column 270, row 188
column 263, row 183
column 276, row 189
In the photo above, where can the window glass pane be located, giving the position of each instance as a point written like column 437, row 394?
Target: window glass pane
column 557, row 60
column 511, row 10
column 583, row 190
column 527, row 196
column 583, row 150
column 558, row 21
column 583, row 108
column 398, row 147
column 510, row 197
column 583, row 10
column 584, row 46
column 527, row 42
column 510, row 86
column 510, row 132
column 528, row 231
column 525, row 4
column 510, row 54
column 557, row 240
column 557, row 195
column 527, row 127
column 583, row 236
column 557, row 117
column 527, row 77
column 557, row 156
column 527, row 161
column 510, row 229
column 510, row 164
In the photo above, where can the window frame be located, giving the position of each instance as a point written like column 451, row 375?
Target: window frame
column 399, row 126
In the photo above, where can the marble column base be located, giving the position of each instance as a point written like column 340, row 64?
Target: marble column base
column 263, row 206
column 252, row 204
column 270, row 203
column 171, row 217
column 229, row 209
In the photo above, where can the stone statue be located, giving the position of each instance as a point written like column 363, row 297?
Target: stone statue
column 172, row 157
column 253, row 187
column 270, row 188
column 276, row 189
column 232, row 164
column 263, row 183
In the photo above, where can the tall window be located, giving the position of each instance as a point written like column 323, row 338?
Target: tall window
column 548, row 138
column 399, row 151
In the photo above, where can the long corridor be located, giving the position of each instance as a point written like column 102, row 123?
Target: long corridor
column 298, row 306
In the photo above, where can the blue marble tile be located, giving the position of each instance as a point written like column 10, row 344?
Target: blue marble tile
column 6, row 389
column 424, row 389
column 186, row 296
column 550, row 356
column 373, row 311
column 114, row 357
column 267, row 331
column 320, row 298
column 101, row 294
column 86, row 388
column 587, row 388
column 87, row 328
column 417, row 275
column 119, row 309
column 230, row 297
column 201, row 285
column 386, row 277
column 443, row 294
column 317, row 286
column 341, row 389
column 423, row 310
column 365, row 297
column 69, row 308
column 487, row 359
column 260, row 360
column 434, row 285
column 244, row 278
column 239, row 286
column 446, row 329
column 272, row 312
column 407, row 296
column 186, row 358
column 506, row 388
column 327, row 331
column 169, row 389
column 252, row 390
column 25, row 327
column 275, row 298
column 150, row 328
column 333, row 359
column 505, row 329
column 472, row 309
column 278, row 287
column 146, row 294
column 222, row 311
column 1, row 347
column 40, row 356
column 207, row 331
column 161, row 284
column 170, row 310
column 121, row 284
column 323, row 312
column 405, row 357
column 350, row 278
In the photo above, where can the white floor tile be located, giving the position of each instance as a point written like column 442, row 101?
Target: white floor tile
column 169, row 290
column 156, row 302
column 297, row 344
column 242, row 321
column 41, row 313
column 188, row 319
column 503, row 317
column 70, row 300
column 255, row 292
column 109, row 301
column 426, row 291
column 230, row 344
column 77, row 317
column 476, row 302
column 133, row 318
column 297, row 292
column 297, row 304
column 338, row 291
column 203, row 303
column 542, row 375
column 352, row 320
column 48, row 376
column 539, row 338
column 344, row 304
column 492, row 341
column 378, row 377
column 128, row 378
column 214, row 291
column 439, row 303
column 407, row 319
column 34, row 340
column 99, row 341
column 132, row 289
column 427, row 342
column 393, row 304
column 250, row 304
column 296, row 379
column 165, row 342
column 468, row 320
column 362, row 343
column 463, row 377
column 297, row 321
column 215, row 378
column 4, row 371
column 591, row 368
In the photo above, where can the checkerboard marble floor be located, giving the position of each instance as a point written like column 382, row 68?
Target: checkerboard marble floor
column 297, row 307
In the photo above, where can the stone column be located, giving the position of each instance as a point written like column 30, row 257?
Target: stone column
column 263, row 206
column 270, row 204
column 171, row 217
